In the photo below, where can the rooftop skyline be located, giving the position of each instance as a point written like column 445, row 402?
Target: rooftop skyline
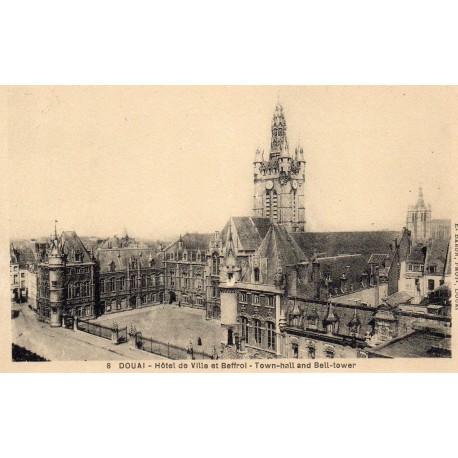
column 168, row 160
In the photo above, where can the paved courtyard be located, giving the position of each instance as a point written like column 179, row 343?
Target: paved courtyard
column 59, row 344
column 169, row 323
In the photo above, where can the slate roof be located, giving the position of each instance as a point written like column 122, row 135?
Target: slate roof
column 417, row 254
column 122, row 257
column 280, row 249
column 436, row 255
column 72, row 243
column 344, row 315
column 193, row 241
column 334, row 243
column 379, row 259
column 419, row 344
column 395, row 299
column 22, row 254
column 250, row 230
column 352, row 268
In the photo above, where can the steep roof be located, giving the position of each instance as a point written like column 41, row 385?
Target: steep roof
column 343, row 314
column 250, row 231
column 13, row 255
column 417, row 254
column 280, row 249
column 73, row 244
column 350, row 268
column 436, row 255
column 334, row 243
column 122, row 257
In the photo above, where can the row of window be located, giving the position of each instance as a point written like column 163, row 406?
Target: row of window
column 123, row 304
column 77, row 289
column 185, row 256
column 257, row 332
column 77, row 270
column 415, row 267
column 251, row 298
column 114, row 284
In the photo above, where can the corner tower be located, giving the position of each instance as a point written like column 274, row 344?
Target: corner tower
column 56, row 262
column 279, row 181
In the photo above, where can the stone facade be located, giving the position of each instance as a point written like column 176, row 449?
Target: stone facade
column 279, row 180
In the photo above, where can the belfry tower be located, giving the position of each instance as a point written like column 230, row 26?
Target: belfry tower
column 419, row 219
column 279, row 180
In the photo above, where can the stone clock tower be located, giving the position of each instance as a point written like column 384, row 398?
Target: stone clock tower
column 279, row 180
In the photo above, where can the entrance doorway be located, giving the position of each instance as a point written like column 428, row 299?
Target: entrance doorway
column 173, row 297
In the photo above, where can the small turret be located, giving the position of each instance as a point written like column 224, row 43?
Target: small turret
column 258, row 157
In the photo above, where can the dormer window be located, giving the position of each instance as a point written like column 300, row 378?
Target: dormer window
column 256, row 274
column 112, row 266
column 78, row 256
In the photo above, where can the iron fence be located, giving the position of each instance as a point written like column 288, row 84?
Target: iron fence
column 168, row 350
column 102, row 331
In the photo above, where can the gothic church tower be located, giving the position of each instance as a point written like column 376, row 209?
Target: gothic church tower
column 419, row 219
column 279, row 180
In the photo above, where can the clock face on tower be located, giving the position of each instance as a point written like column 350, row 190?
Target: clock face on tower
column 294, row 184
column 269, row 184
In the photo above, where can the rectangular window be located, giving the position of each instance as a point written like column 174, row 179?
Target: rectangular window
column 270, row 301
column 430, row 285
column 257, row 332
column 243, row 296
column 255, row 299
column 271, row 336
column 245, row 329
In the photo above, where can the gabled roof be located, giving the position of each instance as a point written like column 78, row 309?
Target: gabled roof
column 73, row 244
column 250, row 231
column 280, row 250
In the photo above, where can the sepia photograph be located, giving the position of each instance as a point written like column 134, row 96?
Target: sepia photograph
column 229, row 223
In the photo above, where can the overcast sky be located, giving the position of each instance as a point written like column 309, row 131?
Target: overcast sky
column 165, row 160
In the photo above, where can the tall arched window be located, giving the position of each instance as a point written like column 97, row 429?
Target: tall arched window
column 133, row 281
column 112, row 284
column 271, row 205
column 215, row 264
column 70, row 291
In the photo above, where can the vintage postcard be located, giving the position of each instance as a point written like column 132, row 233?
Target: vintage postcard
column 238, row 228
